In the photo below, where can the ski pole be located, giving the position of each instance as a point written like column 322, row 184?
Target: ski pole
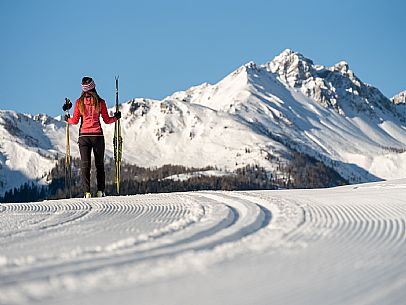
column 68, row 166
column 117, row 143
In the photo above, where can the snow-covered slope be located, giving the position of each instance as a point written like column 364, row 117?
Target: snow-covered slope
column 161, row 132
column 29, row 147
column 342, row 245
column 256, row 115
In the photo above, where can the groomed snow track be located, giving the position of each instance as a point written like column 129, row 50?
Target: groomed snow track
column 335, row 246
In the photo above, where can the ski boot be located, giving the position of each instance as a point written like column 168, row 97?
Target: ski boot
column 100, row 194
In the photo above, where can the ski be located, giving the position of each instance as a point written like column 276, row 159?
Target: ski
column 117, row 143
column 68, row 165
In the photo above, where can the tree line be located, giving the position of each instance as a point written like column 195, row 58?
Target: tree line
column 301, row 171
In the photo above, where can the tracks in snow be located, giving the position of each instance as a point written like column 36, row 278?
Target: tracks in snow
column 85, row 236
column 90, row 245
column 353, row 245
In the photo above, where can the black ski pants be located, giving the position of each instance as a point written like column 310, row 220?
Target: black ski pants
column 86, row 144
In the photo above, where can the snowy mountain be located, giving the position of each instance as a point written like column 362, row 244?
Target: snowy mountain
column 258, row 114
column 326, row 112
column 29, row 147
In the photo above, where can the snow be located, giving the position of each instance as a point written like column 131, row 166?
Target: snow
column 344, row 245
column 186, row 176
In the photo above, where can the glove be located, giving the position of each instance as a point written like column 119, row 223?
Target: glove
column 67, row 105
column 66, row 118
column 117, row 114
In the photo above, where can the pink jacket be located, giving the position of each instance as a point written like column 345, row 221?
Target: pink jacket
column 90, row 125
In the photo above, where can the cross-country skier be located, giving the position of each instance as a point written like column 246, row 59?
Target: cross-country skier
column 88, row 107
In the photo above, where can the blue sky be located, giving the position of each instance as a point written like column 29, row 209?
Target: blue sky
column 159, row 47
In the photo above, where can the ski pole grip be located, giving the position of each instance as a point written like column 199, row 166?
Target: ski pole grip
column 67, row 105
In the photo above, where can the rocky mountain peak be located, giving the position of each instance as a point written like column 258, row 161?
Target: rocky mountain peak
column 342, row 67
column 400, row 98
column 292, row 67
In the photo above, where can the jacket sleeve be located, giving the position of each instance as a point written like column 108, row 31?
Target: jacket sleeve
column 106, row 118
column 76, row 115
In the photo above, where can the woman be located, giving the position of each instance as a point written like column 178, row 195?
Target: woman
column 88, row 108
